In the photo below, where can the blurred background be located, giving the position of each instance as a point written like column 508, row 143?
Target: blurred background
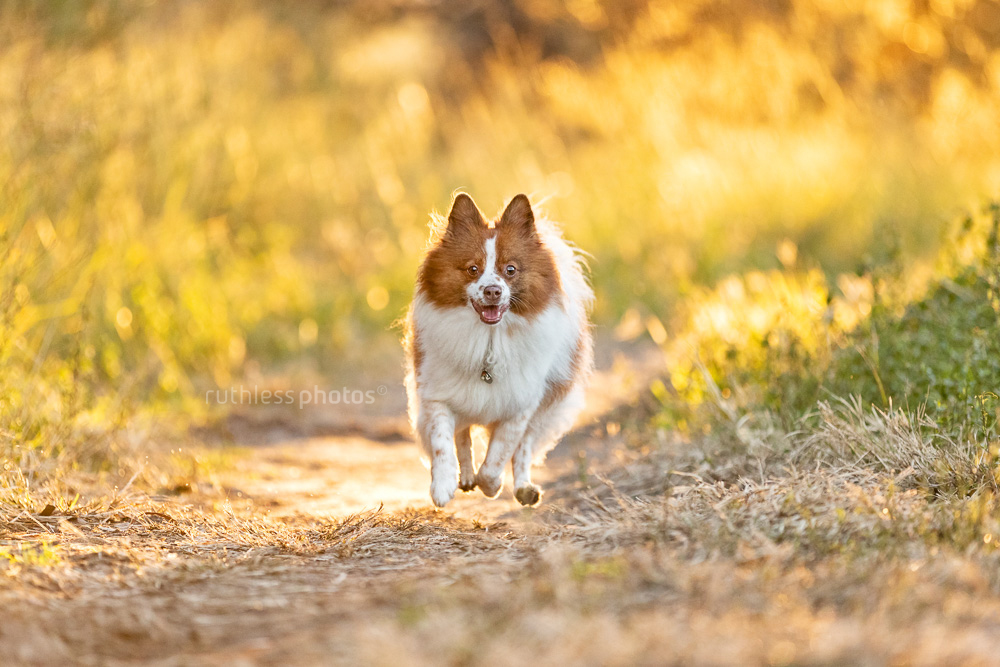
column 195, row 192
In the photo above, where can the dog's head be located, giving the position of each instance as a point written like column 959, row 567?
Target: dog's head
column 493, row 267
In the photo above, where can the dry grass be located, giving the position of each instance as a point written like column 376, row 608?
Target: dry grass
column 909, row 445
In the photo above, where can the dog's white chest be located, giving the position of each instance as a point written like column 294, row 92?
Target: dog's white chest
column 517, row 358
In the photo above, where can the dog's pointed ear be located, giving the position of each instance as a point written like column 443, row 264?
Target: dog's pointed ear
column 518, row 215
column 464, row 216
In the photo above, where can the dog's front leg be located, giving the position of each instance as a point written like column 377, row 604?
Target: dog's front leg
column 503, row 441
column 437, row 430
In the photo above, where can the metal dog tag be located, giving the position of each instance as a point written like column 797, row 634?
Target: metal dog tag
column 486, row 377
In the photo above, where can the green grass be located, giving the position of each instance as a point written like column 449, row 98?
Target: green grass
column 941, row 351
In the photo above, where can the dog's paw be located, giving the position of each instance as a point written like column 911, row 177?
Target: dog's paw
column 442, row 491
column 467, row 480
column 528, row 495
column 490, row 486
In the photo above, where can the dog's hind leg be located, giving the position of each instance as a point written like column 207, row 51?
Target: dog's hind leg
column 466, row 465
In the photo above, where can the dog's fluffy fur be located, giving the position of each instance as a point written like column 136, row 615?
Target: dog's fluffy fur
column 497, row 336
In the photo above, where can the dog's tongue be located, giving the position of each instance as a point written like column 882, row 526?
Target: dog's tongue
column 490, row 314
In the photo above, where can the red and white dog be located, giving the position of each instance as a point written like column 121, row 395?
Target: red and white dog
column 497, row 336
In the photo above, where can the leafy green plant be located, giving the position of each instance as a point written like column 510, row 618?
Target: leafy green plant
column 782, row 341
column 942, row 351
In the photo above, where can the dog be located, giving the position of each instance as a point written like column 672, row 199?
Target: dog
column 498, row 335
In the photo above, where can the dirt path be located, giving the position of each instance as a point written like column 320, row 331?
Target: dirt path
column 271, row 572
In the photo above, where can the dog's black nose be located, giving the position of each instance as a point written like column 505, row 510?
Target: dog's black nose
column 493, row 293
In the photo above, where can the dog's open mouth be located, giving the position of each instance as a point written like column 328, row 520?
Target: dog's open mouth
column 490, row 314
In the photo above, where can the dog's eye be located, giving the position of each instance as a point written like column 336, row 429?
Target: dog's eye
column 511, row 269
column 473, row 270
